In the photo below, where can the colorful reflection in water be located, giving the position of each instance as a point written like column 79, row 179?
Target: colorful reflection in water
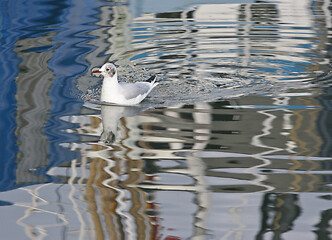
column 235, row 143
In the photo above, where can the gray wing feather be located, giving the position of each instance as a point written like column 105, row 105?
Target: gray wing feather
column 132, row 90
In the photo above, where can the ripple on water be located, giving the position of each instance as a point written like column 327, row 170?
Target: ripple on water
column 208, row 50
column 215, row 51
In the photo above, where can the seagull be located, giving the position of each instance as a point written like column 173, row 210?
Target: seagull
column 123, row 93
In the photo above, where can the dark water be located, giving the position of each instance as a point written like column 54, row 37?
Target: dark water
column 234, row 143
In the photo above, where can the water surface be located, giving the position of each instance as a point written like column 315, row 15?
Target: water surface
column 235, row 143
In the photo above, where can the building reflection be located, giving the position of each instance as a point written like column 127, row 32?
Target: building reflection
column 235, row 146
column 33, row 82
column 279, row 212
column 324, row 225
column 201, row 145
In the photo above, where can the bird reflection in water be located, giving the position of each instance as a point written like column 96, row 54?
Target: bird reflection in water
column 111, row 115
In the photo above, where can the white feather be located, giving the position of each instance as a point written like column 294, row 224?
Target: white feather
column 123, row 93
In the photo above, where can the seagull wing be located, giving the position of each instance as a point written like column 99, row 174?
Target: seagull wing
column 133, row 90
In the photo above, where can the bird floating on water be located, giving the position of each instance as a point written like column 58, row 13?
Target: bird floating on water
column 123, row 93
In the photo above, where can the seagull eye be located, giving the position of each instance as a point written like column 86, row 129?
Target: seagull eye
column 107, row 69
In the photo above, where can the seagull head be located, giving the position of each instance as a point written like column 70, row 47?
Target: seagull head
column 108, row 70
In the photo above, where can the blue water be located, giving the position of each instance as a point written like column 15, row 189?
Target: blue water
column 50, row 20
column 234, row 143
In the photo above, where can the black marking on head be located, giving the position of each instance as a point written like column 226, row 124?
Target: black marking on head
column 110, row 70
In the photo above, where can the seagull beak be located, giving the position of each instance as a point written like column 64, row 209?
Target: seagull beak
column 96, row 71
